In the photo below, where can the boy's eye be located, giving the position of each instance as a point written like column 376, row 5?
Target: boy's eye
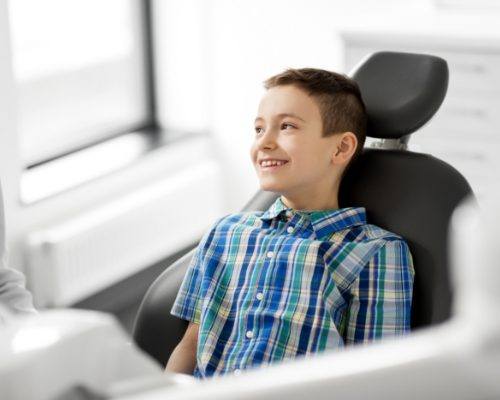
column 259, row 129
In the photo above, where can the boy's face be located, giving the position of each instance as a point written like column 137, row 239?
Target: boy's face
column 289, row 127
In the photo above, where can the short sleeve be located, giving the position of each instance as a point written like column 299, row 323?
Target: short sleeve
column 381, row 296
column 189, row 299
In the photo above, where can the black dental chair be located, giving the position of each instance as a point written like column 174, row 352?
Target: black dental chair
column 412, row 194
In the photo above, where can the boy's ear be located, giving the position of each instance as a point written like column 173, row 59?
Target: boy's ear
column 346, row 146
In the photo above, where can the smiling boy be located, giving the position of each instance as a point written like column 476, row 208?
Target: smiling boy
column 305, row 275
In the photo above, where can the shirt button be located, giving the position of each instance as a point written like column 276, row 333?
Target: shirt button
column 237, row 371
column 288, row 214
column 270, row 254
column 289, row 229
column 249, row 334
column 260, row 296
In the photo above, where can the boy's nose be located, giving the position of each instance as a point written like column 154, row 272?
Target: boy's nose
column 267, row 141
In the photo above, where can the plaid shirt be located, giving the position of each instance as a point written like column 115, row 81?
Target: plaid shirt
column 266, row 286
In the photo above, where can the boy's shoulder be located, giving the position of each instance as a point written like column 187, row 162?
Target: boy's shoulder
column 375, row 232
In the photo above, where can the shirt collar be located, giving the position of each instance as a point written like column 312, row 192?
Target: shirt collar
column 324, row 222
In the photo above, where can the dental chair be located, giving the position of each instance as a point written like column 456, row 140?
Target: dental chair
column 409, row 193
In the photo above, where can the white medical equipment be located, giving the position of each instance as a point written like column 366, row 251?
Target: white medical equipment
column 73, row 354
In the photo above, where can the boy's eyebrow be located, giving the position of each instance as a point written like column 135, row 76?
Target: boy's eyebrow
column 284, row 115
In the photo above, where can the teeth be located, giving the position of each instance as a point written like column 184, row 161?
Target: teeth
column 272, row 163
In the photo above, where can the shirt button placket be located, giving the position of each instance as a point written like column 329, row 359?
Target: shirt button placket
column 249, row 334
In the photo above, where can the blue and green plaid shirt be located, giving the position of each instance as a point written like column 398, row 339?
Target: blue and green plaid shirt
column 266, row 286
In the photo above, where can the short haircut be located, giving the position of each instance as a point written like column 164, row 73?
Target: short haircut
column 338, row 98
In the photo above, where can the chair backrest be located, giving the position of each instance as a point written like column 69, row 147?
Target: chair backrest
column 411, row 194
column 414, row 196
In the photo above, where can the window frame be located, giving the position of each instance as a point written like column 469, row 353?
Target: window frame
column 50, row 172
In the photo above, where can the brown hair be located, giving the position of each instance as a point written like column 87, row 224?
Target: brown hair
column 338, row 97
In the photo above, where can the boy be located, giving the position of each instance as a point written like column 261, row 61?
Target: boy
column 303, row 276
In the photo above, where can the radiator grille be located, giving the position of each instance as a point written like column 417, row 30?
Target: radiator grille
column 82, row 255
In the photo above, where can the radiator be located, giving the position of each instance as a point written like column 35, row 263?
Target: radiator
column 77, row 257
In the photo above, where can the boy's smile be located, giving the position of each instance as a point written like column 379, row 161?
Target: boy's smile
column 290, row 154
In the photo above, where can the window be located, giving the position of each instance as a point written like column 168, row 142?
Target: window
column 82, row 73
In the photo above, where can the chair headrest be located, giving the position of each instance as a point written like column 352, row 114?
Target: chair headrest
column 401, row 91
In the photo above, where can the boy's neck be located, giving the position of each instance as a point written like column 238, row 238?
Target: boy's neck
column 311, row 205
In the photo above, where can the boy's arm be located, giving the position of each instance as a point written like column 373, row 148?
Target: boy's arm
column 183, row 358
column 380, row 305
column 188, row 304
